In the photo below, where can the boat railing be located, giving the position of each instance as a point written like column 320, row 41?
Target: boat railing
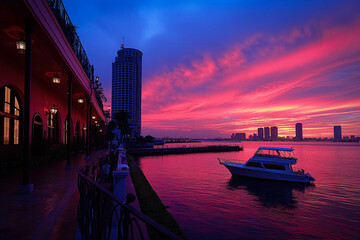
column 223, row 160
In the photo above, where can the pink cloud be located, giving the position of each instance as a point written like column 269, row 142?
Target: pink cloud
column 314, row 81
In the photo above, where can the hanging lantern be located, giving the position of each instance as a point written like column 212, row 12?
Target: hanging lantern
column 21, row 46
column 80, row 100
column 93, row 117
column 56, row 79
column 53, row 109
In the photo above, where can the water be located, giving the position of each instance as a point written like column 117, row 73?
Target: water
column 209, row 203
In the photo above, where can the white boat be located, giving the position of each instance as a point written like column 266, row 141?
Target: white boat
column 269, row 163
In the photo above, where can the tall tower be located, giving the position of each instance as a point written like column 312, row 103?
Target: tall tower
column 337, row 133
column 299, row 132
column 126, row 87
column 260, row 133
column 267, row 133
column 274, row 133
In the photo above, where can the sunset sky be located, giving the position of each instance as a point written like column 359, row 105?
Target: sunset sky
column 211, row 68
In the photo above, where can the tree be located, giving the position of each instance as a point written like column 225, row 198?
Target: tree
column 122, row 120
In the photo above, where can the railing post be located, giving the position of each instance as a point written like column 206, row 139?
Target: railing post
column 119, row 178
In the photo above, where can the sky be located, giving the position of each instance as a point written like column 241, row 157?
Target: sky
column 215, row 67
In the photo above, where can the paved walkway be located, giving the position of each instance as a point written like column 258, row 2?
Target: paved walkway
column 49, row 212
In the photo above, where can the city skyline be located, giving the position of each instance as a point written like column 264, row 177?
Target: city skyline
column 219, row 68
column 297, row 136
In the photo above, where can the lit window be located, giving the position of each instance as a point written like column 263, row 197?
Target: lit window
column 9, row 117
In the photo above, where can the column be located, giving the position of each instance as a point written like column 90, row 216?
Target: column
column 68, row 133
column 26, row 186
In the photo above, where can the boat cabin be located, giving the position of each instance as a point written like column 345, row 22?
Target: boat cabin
column 273, row 159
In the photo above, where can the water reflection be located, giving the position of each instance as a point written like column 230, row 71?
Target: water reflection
column 270, row 194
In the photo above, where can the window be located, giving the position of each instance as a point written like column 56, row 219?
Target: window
column 66, row 126
column 254, row 164
column 9, row 117
column 274, row 166
column 53, row 128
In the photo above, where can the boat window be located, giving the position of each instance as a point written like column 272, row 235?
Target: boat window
column 274, row 166
column 254, row 164
column 287, row 155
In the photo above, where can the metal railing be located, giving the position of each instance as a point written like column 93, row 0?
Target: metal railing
column 69, row 30
column 102, row 215
column 223, row 161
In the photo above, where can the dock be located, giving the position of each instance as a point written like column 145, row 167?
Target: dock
column 183, row 150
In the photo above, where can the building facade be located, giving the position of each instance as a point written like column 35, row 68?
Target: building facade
column 299, row 131
column 46, row 99
column 274, row 133
column 337, row 133
column 126, row 87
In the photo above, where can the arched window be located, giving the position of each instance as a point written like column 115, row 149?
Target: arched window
column 9, row 116
column 77, row 131
column 37, row 135
column 53, row 128
column 66, row 128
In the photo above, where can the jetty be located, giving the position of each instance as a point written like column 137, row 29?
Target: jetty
column 183, row 150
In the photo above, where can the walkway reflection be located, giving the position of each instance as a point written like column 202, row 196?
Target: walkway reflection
column 270, row 194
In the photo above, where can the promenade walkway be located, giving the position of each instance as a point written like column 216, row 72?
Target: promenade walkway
column 49, row 212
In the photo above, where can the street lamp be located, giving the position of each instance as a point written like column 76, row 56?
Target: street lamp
column 21, row 46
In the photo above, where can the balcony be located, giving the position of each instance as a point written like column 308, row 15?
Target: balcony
column 72, row 37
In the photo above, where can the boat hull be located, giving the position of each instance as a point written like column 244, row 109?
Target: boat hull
column 266, row 174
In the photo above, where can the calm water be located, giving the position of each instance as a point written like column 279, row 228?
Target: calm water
column 209, row 203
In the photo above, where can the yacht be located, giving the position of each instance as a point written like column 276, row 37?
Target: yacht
column 269, row 163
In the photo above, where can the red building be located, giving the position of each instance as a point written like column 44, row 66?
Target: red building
column 43, row 85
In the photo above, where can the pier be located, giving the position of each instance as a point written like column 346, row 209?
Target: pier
column 183, row 150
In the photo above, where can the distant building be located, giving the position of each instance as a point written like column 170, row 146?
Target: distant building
column 274, row 133
column 267, row 133
column 238, row 136
column 260, row 133
column 299, row 132
column 337, row 133
column 126, row 87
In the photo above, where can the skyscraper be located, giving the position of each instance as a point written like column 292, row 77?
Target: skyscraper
column 260, row 133
column 337, row 133
column 267, row 133
column 299, row 132
column 126, row 87
column 274, row 133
